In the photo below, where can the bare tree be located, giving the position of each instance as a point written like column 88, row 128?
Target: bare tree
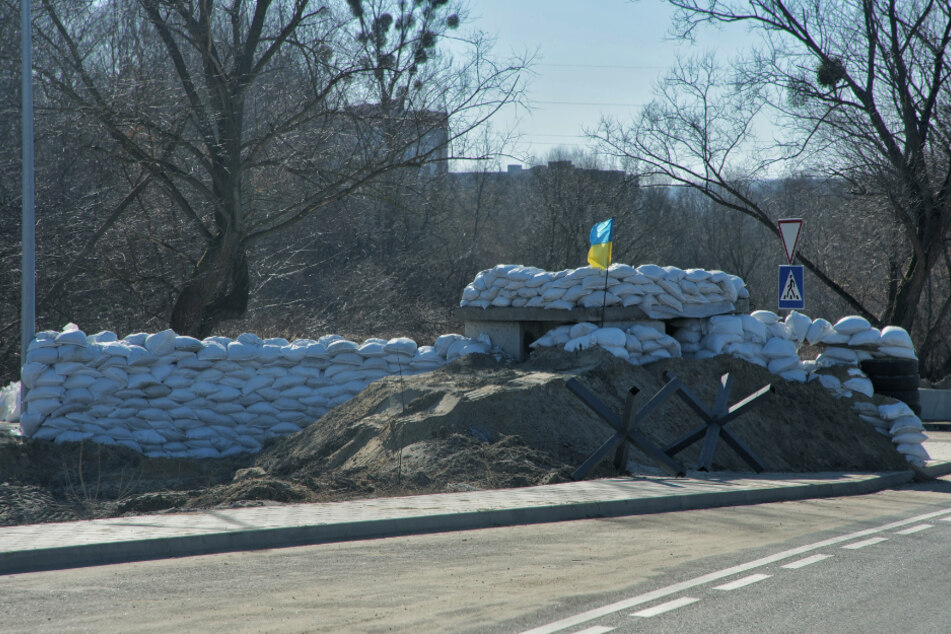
column 249, row 117
column 859, row 90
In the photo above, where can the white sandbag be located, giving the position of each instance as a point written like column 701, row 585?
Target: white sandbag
column 78, row 395
column 614, row 337
column 443, row 342
column 839, row 355
column 288, row 381
column 818, row 331
column 797, row 375
column 753, row 329
column 552, row 294
column 73, row 436
column 372, row 348
column 910, row 438
column 401, row 345
column 73, row 337
column 43, row 355
column 860, row 385
column 579, row 343
column 896, row 352
column 798, row 325
column 618, row 351
column 664, row 306
column 572, row 294
column 896, row 337
column 626, row 288
column 870, row 337
column 600, row 298
column 779, row 329
column 77, row 381
column 851, row 324
column 242, row 351
column 672, row 288
column 768, row 317
column 893, row 411
column 651, row 271
column 915, row 450
column 632, row 344
column 716, row 342
column 645, row 333
column 830, row 382
column 581, row 329
column 779, row 365
column 725, row 324
column 905, row 424
column 779, row 347
column 212, row 351
column 256, row 383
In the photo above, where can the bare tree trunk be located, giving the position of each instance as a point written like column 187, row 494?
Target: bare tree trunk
column 218, row 289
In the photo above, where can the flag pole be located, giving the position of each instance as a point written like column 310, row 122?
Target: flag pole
column 604, row 299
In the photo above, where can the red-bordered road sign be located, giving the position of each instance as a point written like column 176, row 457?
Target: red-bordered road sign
column 789, row 229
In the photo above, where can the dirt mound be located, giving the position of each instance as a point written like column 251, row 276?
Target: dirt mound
column 473, row 424
column 478, row 424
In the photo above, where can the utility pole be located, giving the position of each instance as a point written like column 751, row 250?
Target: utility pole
column 28, row 269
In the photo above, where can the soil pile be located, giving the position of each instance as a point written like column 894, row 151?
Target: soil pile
column 473, row 424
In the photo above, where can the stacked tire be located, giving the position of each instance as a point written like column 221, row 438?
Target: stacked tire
column 897, row 378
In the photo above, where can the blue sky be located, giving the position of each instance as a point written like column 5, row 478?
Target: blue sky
column 593, row 58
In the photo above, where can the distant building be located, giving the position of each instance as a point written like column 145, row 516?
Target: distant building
column 378, row 137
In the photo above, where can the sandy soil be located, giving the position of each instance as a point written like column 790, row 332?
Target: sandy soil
column 474, row 424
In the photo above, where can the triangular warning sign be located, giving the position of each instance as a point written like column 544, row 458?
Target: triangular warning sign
column 791, row 291
column 789, row 229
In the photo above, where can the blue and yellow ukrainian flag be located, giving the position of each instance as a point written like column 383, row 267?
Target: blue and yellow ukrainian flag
column 602, row 236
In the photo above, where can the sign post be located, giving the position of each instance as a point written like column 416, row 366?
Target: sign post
column 791, row 290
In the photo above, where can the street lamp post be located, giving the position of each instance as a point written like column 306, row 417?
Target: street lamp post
column 28, row 269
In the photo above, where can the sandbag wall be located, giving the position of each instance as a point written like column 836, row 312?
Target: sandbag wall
column 173, row 396
column 660, row 292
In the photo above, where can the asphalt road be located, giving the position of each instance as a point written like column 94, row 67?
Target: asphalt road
column 518, row 579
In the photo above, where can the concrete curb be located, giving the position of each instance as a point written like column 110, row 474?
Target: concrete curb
column 932, row 471
column 282, row 537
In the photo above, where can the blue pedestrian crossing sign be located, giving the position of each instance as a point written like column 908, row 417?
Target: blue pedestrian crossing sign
column 791, row 295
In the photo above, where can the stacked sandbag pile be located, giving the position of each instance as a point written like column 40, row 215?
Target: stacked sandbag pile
column 898, row 422
column 636, row 343
column 660, row 292
column 174, row 396
column 761, row 338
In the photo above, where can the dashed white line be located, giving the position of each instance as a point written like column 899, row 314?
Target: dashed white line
column 597, row 629
column 865, row 542
column 742, row 583
column 665, row 607
column 915, row 529
column 805, row 562
column 624, row 604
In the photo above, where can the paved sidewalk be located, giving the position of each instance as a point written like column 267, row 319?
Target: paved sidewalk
column 137, row 538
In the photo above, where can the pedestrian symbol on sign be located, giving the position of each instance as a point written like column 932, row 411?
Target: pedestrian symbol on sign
column 791, row 295
column 791, row 292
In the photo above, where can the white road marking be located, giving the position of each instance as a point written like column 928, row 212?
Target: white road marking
column 624, row 604
column 665, row 607
column 866, row 542
column 596, row 629
column 946, row 519
column 805, row 562
column 742, row 583
column 915, row 529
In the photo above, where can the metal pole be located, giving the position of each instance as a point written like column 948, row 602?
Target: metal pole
column 28, row 269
